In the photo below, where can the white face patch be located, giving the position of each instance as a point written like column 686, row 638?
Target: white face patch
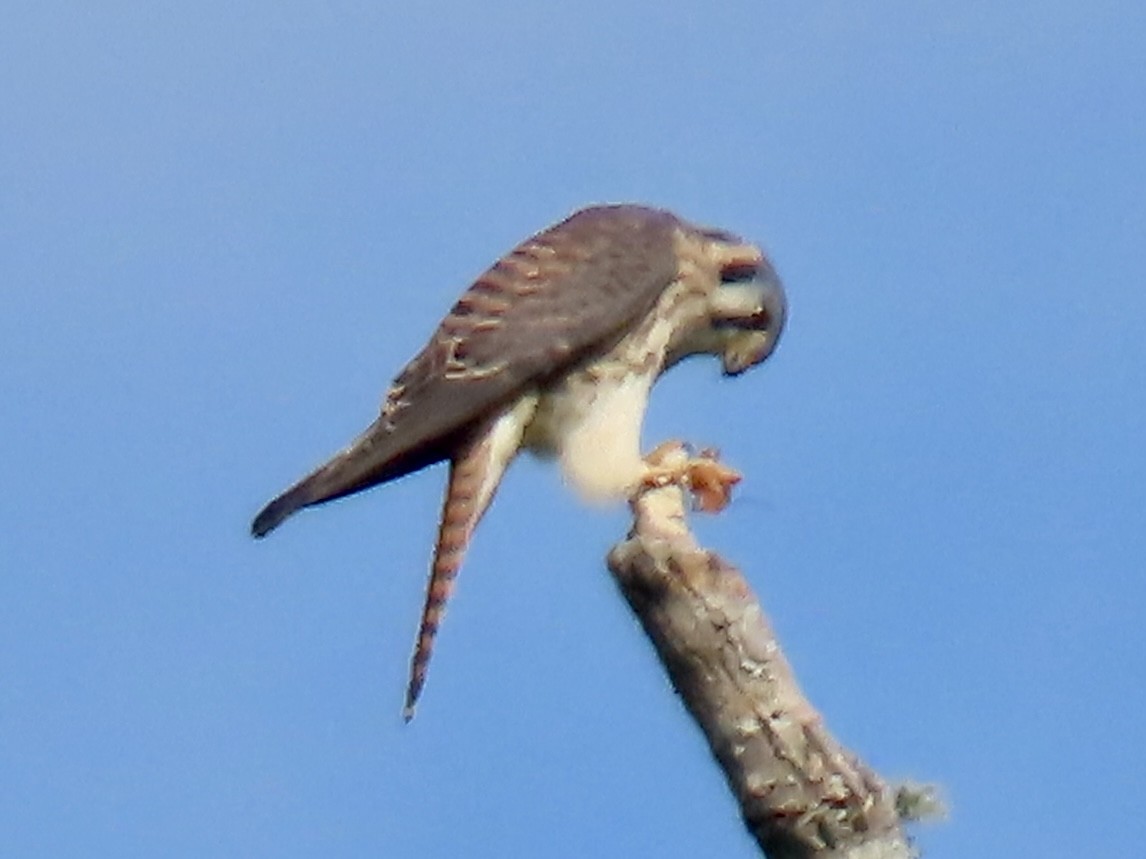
column 736, row 300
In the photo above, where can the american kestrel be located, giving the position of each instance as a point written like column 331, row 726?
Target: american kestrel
column 554, row 350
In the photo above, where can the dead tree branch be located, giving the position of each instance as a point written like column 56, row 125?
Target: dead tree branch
column 801, row 793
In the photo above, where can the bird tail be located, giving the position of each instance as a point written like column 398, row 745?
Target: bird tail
column 475, row 473
column 368, row 461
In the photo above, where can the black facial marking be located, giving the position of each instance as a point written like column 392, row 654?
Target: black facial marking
column 739, row 272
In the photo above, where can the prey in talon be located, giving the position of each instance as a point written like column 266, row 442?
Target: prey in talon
column 554, row 350
column 707, row 479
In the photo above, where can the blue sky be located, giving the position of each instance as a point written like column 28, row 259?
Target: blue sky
column 224, row 227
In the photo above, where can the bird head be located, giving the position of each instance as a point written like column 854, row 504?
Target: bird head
column 747, row 307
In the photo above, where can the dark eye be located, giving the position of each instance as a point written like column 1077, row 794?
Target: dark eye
column 739, row 273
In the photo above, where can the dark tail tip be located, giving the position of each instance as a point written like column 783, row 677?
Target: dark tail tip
column 271, row 516
column 413, row 692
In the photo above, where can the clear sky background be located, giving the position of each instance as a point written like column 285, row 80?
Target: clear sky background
column 225, row 226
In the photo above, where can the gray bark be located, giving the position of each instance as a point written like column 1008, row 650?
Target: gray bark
column 801, row 793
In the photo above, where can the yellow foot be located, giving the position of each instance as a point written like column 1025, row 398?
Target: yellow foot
column 708, row 480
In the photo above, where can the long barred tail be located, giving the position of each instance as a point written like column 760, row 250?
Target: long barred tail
column 454, row 532
column 474, row 476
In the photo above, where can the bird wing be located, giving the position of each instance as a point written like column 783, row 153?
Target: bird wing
column 568, row 292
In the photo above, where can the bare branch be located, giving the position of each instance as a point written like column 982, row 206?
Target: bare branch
column 801, row 793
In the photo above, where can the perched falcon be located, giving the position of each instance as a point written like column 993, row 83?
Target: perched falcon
column 554, row 350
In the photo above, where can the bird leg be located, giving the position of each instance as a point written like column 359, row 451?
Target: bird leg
column 707, row 479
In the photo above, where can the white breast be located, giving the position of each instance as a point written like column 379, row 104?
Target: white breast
column 600, row 450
